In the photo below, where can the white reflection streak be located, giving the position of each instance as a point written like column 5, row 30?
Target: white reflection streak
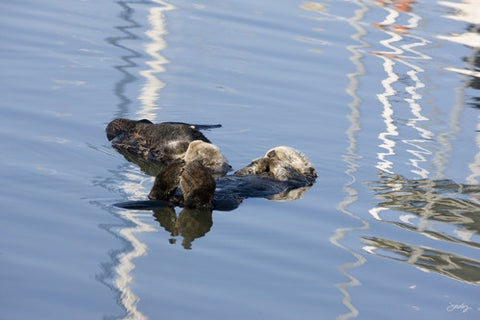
column 419, row 152
column 351, row 159
column 150, row 89
column 415, row 107
column 390, row 20
column 125, row 264
column 134, row 190
column 391, row 129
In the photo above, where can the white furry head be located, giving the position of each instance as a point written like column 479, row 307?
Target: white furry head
column 283, row 158
column 284, row 164
column 209, row 155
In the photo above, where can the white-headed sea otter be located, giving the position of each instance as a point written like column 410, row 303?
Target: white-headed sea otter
column 191, row 185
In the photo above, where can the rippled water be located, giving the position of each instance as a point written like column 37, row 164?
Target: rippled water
column 381, row 95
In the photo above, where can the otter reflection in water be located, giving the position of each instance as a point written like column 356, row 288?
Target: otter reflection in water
column 190, row 223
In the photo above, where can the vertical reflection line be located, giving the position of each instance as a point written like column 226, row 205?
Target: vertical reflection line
column 128, row 58
column 391, row 129
column 149, row 93
column 419, row 152
column 351, row 159
column 133, row 182
column 416, row 109
column 388, row 63
column 387, row 114
column 125, row 266
column 148, row 96
column 129, row 300
column 442, row 157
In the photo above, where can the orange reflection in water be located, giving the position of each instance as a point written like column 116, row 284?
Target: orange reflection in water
column 400, row 6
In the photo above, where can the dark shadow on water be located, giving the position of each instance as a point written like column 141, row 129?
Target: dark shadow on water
column 147, row 167
column 190, row 224
column 443, row 210
column 433, row 200
column 427, row 259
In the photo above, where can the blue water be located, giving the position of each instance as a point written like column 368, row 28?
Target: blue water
column 382, row 97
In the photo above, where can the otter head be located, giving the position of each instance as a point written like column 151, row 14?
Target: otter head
column 209, row 156
column 286, row 162
column 119, row 126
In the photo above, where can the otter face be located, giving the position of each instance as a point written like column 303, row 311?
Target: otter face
column 282, row 158
column 119, row 126
column 282, row 163
column 209, row 155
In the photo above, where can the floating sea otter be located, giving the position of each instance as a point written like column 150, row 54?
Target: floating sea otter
column 142, row 140
column 190, row 173
column 283, row 173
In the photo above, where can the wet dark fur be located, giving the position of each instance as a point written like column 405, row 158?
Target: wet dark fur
column 198, row 186
column 161, row 142
column 167, row 181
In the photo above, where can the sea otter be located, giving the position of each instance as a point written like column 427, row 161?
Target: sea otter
column 162, row 142
column 283, row 173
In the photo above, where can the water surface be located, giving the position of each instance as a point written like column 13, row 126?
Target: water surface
column 381, row 96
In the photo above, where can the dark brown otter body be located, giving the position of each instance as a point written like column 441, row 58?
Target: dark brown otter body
column 160, row 142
